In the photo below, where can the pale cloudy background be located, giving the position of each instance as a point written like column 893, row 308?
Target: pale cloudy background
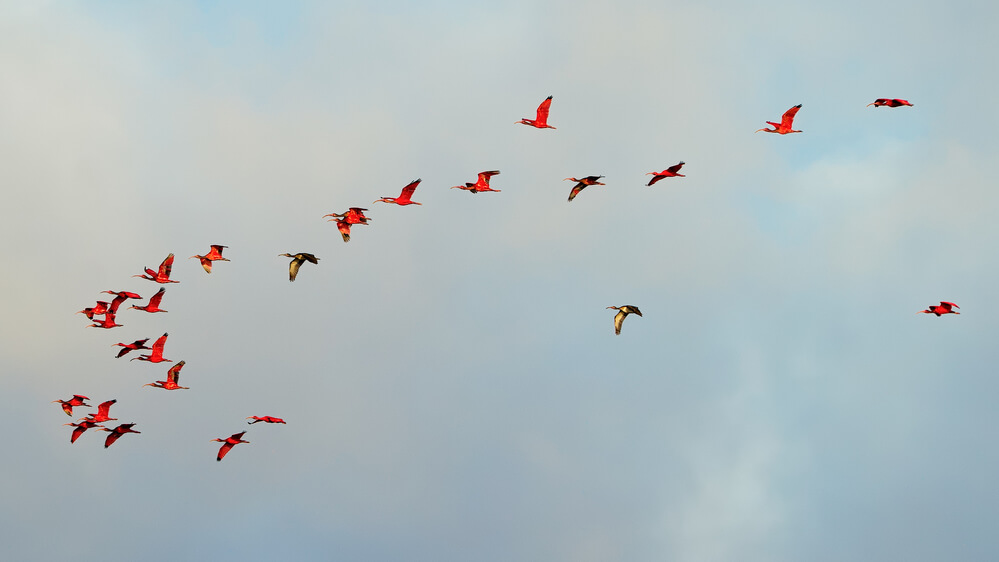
column 450, row 378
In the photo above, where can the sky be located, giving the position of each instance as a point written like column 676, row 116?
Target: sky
column 450, row 378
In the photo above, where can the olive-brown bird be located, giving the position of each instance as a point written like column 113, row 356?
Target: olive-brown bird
column 296, row 262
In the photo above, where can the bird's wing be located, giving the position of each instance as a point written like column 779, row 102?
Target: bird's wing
column 675, row 168
column 310, row 258
column 173, row 374
column 788, row 116
column 166, row 266
column 111, row 438
column 224, row 450
column 293, row 268
column 576, row 189
column 407, row 192
column 155, row 299
column 543, row 110
column 618, row 320
column 217, row 250
column 104, row 408
column 948, row 305
column 159, row 343
column 77, row 433
column 655, row 178
column 206, row 263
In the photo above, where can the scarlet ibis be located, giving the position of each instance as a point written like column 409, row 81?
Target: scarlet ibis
column 120, row 297
column 100, row 308
column 76, row 400
column 84, row 425
column 784, row 127
column 344, row 227
column 671, row 172
column 541, row 121
column 117, row 432
column 354, row 215
column 161, row 276
column 154, row 302
column 124, row 294
column 481, row 184
column 108, row 322
column 173, row 376
column 296, row 262
column 215, row 254
column 267, row 419
column 404, row 198
column 889, row 102
column 622, row 312
column 229, row 443
column 103, row 411
column 943, row 308
column 126, row 347
column 156, row 353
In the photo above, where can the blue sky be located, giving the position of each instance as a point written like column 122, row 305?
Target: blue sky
column 451, row 380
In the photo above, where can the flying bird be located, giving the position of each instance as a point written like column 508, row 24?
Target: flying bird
column 84, row 425
column 119, row 298
column 127, row 347
column 267, row 419
column 296, row 262
column 76, row 400
column 214, row 254
column 404, row 198
column 229, row 443
column 784, row 127
column 173, row 376
column 943, row 308
column 671, row 172
column 156, row 353
column 344, row 227
column 103, row 411
column 163, row 274
column 154, row 302
column 889, row 102
column 107, row 323
column 541, row 121
column 622, row 312
column 117, row 432
column 583, row 182
column 354, row 215
column 481, row 184
column 100, row 308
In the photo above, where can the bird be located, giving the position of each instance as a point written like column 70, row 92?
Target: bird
column 173, row 375
column 344, row 227
column 671, row 172
column 784, row 127
column 481, row 184
column 267, row 419
column 404, row 197
column 84, row 425
column 154, row 302
column 354, row 215
column 103, row 411
column 117, row 432
column 161, row 276
column 100, row 308
column 229, row 443
column 119, row 298
column 943, row 308
column 296, row 262
column 622, row 312
column 214, row 254
column 107, row 323
column 156, row 353
column 127, row 347
column 889, row 102
column 76, row 400
column 583, row 182
column 541, row 121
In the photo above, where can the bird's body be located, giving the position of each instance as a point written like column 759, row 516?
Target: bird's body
column 214, row 254
column 82, row 426
column 127, row 347
column 404, row 198
column 163, row 274
column 76, row 400
column 481, row 183
column 107, row 323
column 266, row 419
column 622, row 313
column 117, row 432
column 296, row 262
column 228, row 443
column 671, row 172
column 173, row 377
column 581, row 184
column 103, row 413
column 100, row 308
column 156, row 352
column 541, row 119
column 344, row 227
column 888, row 102
column 940, row 309
column 786, row 121
column 154, row 302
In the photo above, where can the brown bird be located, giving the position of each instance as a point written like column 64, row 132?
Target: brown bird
column 404, row 198
column 784, row 127
column 163, row 274
column 888, row 102
column 117, row 432
column 127, row 347
column 267, row 419
column 296, row 262
column 76, row 400
column 583, row 182
column 943, row 308
column 541, row 119
column 84, row 425
column 671, row 172
column 481, row 184
column 173, row 377
column 229, row 443
column 622, row 312
column 156, row 353
column 154, row 302
column 215, row 254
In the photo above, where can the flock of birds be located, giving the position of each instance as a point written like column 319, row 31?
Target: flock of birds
column 108, row 310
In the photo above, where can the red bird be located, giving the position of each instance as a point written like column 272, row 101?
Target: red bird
column 76, row 400
column 161, row 276
column 120, row 297
column 784, row 127
column 404, row 197
column 126, row 347
column 889, row 102
column 215, row 254
column 541, row 121
column 108, row 322
column 103, row 411
column 117, row 432
column 80, row 428
column 154, row 302
column 671, row 172
column 267, row 419
column 481, row 184
column 100, row 308
column 156, row 354
column 229, row 443
column 173, row 375
column 354, row 215
column 943, row 308
column 583, row 182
